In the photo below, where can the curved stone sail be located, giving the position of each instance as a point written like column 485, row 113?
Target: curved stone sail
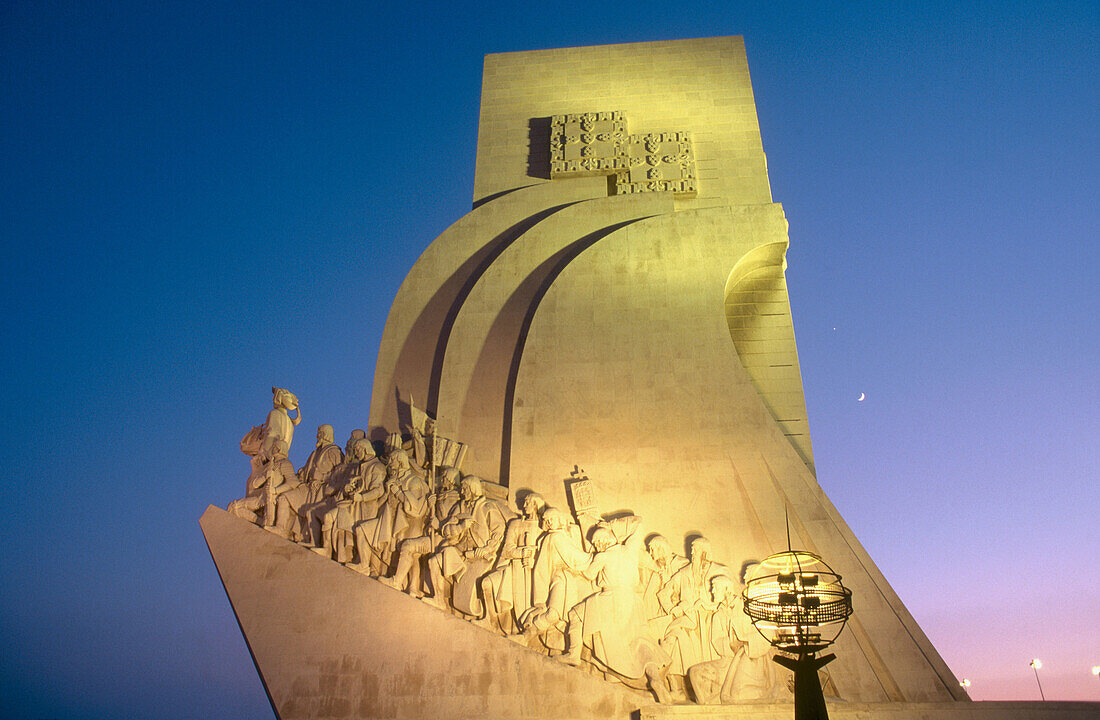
column 613, row 307
column 644, row 336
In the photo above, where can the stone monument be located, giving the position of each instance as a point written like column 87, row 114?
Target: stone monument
column 609, row 429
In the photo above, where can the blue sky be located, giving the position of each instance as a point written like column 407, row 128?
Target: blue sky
column 201, row 202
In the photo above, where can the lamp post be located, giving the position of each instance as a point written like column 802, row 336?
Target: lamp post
column 1036, row 663
column 800, row 606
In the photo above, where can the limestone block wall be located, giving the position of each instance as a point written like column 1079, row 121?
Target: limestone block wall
column 701, row 86
column 644, row 338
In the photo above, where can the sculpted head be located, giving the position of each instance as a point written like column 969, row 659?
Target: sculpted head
column 283, row 398
column 355, row 435
column 398, row 462
column 554, row 519
column 722, row 589
column 324, row 435
column 602, row 539
column 659, row 549
column 700, row 551
column 448, row 478
column 533, row 504
column 360, row 449
column 471, row 488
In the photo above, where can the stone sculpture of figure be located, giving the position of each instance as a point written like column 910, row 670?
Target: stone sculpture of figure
column 364, row 478
column 744, row 670
column 403, row 514
column 611, row 622
column 655, row 575
column 279, row 424
column 356, row 434
column 421, row 444
column 253, row 506
column 273, row 477
column 687, row 596
column 325, row 457
column 319, row 467
column 441, row 503
column 557, row 582
column 475, row 531
column 445, row 497
column 507, row 589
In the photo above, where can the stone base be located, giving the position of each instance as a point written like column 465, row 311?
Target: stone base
column 885, row 711
column 331, row 643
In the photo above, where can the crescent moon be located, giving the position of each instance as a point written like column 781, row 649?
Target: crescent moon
column 862, row 397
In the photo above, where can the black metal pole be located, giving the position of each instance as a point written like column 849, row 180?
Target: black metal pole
column 809, row 700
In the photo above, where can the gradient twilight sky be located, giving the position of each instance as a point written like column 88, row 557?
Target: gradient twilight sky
column 201, row 202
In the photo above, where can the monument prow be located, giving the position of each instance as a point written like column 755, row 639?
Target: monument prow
column 330, row 642
column 613, row 432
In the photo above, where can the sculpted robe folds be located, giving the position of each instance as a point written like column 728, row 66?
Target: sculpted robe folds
column 507, row 588
column 278, row 426
column 744, row 670
column 482, row 531
column 403, row 514
column 557, row 582
column 321, row 462
column 688, row 633
column 613, row 622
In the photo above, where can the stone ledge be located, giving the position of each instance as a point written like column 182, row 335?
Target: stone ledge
column 887, row 711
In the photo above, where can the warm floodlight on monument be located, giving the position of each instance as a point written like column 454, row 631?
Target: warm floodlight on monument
column 800, row 606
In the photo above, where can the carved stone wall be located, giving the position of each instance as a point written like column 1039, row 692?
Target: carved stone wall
column 614, row 304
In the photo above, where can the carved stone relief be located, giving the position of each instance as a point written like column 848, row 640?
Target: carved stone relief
column 597, row 143
column 586, row 144
column 598, row 592
column 658, row 162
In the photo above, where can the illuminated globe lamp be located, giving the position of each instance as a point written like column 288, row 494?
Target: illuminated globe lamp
column 799, row 605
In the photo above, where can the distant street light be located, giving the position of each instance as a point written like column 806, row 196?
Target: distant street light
column 1036, row 663
column 965, row 683
column 1096, row 670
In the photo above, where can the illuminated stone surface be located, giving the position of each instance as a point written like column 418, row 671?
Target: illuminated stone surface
column 331, row 643
column 644, row 337
column 613, row 307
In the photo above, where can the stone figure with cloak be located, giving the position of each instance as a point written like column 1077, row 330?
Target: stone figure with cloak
column 611, row 622
column 743, row 671
column 507, row 589
column 558, row 582
column 403, row 514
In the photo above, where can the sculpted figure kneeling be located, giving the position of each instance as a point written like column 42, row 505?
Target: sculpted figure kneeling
column 273, row 476
column 557, row 583
column 743, row 670
column 411, row 551
column 472, row 538
column 687, row 595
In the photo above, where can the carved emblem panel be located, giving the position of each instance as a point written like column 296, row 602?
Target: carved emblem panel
column 658, row 162
column 586, row 144
column 597, row 143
